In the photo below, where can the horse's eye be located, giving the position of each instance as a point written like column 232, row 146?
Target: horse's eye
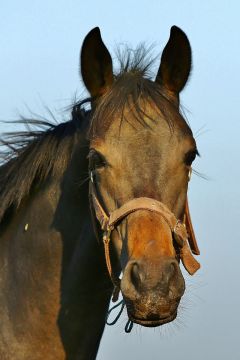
column 190, row 157
column 96, row 160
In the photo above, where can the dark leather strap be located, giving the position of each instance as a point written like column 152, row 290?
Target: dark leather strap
column 191, row 235
column 142, row 203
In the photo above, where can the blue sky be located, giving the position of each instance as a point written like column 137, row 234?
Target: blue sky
column 39, row 62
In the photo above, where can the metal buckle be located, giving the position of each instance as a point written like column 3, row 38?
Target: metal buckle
column 91, row 177
column 176, row 226
column 107, row 235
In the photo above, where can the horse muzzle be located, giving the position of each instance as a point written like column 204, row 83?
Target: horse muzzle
column 152, row 290
column 151, row 287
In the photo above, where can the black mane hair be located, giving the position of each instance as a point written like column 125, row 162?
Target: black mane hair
column 30, row 157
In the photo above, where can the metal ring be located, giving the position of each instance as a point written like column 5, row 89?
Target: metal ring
column 176, row 226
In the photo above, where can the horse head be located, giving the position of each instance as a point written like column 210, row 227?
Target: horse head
column 141, row 153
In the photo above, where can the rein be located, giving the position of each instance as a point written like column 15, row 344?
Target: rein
column 183, row 232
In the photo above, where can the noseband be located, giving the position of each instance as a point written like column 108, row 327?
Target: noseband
column 183, row 232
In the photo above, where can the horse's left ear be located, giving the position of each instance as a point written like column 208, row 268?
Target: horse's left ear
column 175, row 64
column 96, row 64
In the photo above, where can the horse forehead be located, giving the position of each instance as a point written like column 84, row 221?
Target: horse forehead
column 129, row 132
column 149, row 127
column 145, row 141
column 142, row 141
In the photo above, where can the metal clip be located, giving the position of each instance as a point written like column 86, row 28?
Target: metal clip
column 189, row 174
column 91, row 176
column 107, row 235
column 176, row 226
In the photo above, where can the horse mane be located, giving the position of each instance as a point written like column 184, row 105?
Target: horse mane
column 31, row 157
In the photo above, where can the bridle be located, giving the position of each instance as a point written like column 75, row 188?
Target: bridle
column 183, row 232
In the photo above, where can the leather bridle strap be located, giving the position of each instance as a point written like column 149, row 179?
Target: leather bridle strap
column 108, row 223
column 191, row 235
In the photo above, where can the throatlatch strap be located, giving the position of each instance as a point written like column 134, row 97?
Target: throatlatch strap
column 191, row 235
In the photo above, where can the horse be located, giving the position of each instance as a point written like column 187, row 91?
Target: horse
column 102, row 194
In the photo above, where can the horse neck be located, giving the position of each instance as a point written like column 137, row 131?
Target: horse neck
column 85, row 284
column 55, row 263
column 82, row 255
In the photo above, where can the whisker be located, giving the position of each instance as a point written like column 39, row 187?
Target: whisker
column 83, row 181
column 199, row 130
column 200, row 133
column 201, row 175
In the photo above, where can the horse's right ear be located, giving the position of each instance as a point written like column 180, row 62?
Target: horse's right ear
column 175, row 64
column 96, row 64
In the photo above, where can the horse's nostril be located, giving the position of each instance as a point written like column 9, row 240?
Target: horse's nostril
column 172, row 270
column 135, row 275
column 131, row 281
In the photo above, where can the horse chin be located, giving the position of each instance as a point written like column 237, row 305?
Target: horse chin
column 152, row 314
column 153, row 323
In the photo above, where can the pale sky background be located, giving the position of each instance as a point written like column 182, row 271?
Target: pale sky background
column 39, row 56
